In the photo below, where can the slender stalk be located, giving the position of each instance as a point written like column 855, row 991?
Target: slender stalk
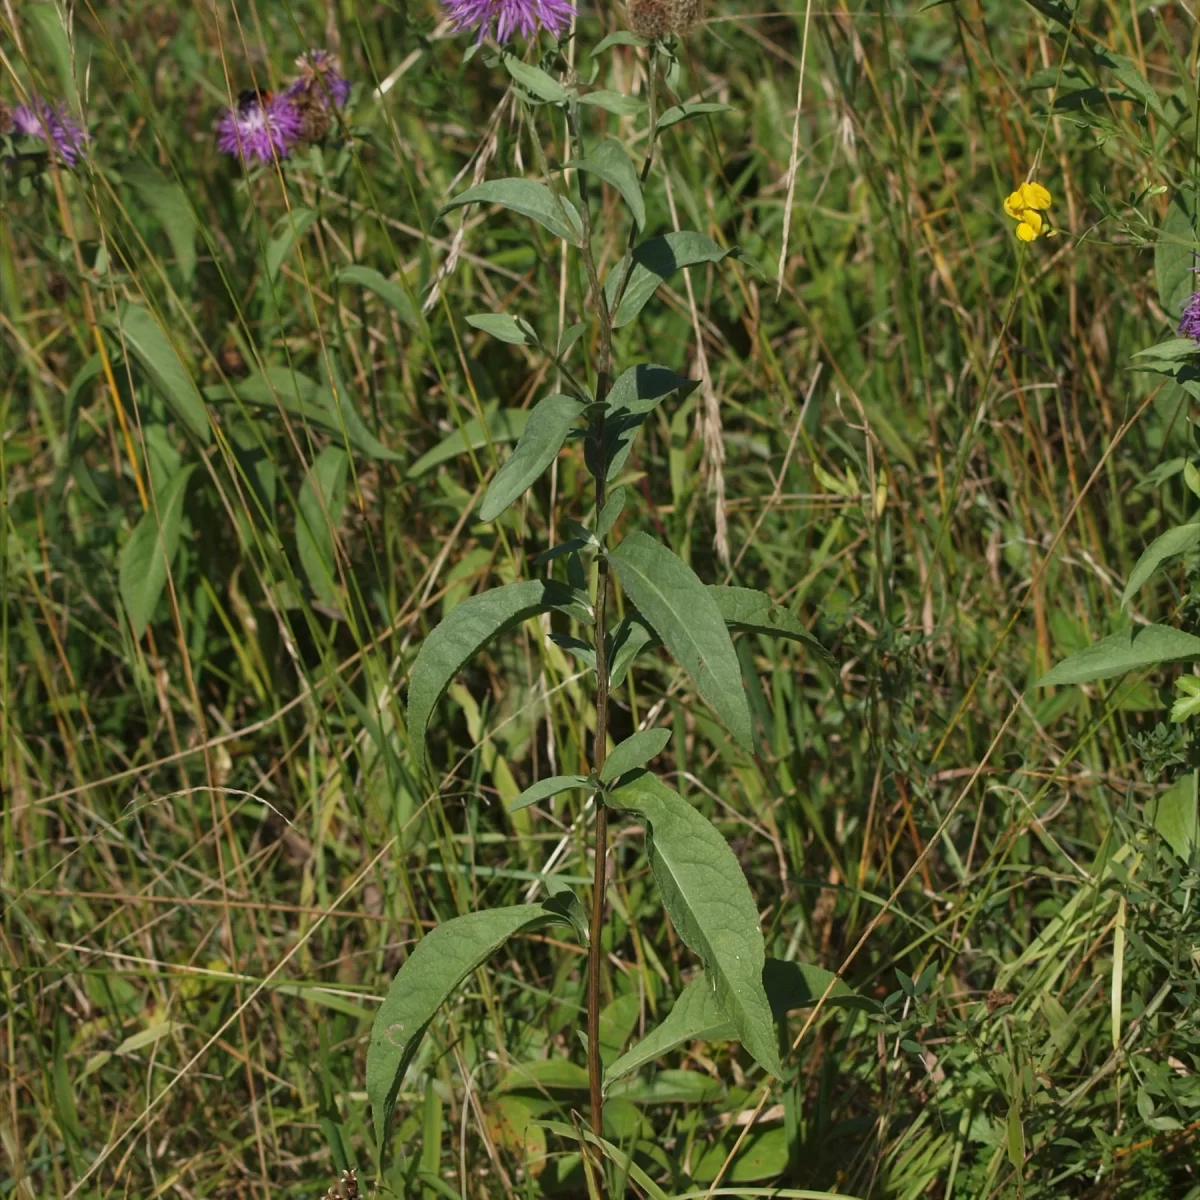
column 600, row 826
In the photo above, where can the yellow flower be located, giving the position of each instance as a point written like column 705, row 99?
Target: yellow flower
column 1033, row 219
column 1014, row 205
column 1025, row 231
column 1033, row 195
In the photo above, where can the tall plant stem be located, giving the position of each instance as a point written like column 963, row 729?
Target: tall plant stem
column 603, row 381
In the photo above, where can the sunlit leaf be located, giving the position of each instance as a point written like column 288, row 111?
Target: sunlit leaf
column 681, row 610
column 709, row 902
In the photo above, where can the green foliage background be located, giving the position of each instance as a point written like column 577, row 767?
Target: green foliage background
column 931, row 449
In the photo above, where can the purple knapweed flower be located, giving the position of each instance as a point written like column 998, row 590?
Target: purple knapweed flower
column 1189, row 323
column 262, row 126
column 510, row 16
column 320, row 74
column 53, row 125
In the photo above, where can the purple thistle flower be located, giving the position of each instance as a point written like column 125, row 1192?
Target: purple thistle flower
column 320, row 73
column 510, row 16
column 52, row 125
column 1189, row 323
column 262, row 127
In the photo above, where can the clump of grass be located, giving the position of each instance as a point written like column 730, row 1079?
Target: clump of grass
column 215, row 850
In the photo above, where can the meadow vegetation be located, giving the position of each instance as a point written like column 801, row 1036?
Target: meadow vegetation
column 248, row 429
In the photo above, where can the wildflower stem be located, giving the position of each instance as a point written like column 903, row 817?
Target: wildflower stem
column 600, row 826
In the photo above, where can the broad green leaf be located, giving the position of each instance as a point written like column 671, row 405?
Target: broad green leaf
column 629, row 639
column 792, row 985
column 1127, row 72
column 529, row 198
column 607, row 517
column 1175, row 541
column 754, row 611
column 1187, row 703
column 392, row 294
column 545, row 431
column 543, row 1075
column 53, row 36
column 621, row 38
column 762, row 1156
column 320, row 504
column 545, row 788
column 439, row 963
column 144, row 560
column 292, row 226
column 684, row 112
column 313, row 402
column 696, row 1016
column 610, row 162
column 635, row 751
column 1142, row 646
column 709, row 902
column 1175, row 254
column 670, row 1087
column 469, row 627
column 347, row 424
column 505, row 328
column 1175, row 816
column 167, row 200
column 617, row 103
column 1171, row 351
column 534, row 79
column 633, row 396
column 145, row 339
column 682, row 611
column 654, row 261
column 503, row 425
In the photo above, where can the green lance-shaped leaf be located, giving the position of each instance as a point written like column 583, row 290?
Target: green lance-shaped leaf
column 633, row 396
column 144, row 338
column 1145, row 646
column 465, row 631
column 392, row 294
column 696, row 1016
column 1175, row 541
column 1175, row 253
column 545, row 431
column 539, row 83
column 292, row 227
column 502, row 425
column 755, row 612
column 1174, row 814
column 611, row 163
column 635, row 751
column 320, row 503
column 167, row 200
column 681, row 610
column 441, row 960
column 307, row 399
column 145, row 559
column 710, row 904
column 545, row 788
column 685, row 112
column 654, row 261
column 505, row 327
column 529, row 198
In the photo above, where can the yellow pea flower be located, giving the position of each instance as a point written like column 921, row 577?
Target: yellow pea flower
column 1025, row 206
column 1014, row 205
column 1035, row 196
column 1031, row 220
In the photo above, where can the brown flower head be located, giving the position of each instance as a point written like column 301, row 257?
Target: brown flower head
column 658, row 18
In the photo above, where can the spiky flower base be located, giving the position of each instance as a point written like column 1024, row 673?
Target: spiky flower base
column 658, row 18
